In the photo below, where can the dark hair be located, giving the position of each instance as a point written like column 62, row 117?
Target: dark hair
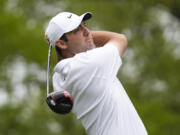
column 64, row 38
column 58, row 50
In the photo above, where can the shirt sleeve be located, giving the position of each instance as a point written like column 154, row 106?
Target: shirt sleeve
column 105, row 60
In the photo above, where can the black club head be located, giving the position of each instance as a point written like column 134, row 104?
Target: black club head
column 60, row 102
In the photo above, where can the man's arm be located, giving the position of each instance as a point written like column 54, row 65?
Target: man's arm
column 102, row 37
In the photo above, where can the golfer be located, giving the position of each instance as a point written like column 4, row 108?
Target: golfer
column 88, row 63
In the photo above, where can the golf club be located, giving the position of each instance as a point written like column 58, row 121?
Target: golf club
column 60, row 102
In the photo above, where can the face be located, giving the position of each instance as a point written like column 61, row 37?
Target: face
column 79, row 40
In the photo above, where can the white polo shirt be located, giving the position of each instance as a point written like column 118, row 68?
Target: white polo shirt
column 100, row 101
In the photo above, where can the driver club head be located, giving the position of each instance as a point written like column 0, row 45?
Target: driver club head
column 60, row 102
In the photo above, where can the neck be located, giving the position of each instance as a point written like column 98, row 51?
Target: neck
column 64, row 55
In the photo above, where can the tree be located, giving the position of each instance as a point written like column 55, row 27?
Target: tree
column 150, row 71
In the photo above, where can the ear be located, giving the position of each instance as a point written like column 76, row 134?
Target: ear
column 61, row 44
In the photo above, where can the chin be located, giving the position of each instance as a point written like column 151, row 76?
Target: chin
column 90, row 46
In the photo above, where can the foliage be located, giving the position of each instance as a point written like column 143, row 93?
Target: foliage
column 150, row 71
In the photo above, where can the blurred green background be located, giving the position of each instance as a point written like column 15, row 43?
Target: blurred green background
column 150, row 71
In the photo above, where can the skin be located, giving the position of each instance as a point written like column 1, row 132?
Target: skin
column 82, row 39
column 79, row 40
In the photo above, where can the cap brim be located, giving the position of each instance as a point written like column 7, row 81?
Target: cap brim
column 86, row 16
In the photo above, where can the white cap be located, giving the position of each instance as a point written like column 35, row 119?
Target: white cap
column 62, row 23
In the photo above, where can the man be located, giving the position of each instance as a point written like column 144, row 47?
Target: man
column 87, row 68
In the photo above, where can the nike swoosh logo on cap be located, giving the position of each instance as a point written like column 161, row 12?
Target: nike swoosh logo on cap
column 69, row 16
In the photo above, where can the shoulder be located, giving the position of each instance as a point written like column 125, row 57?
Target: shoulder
column 101, row 59
column 107, row 50
column 63, row 67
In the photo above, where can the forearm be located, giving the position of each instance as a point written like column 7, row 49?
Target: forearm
column 102, row 37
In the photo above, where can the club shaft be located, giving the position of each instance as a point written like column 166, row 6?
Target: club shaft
column 48, row 68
